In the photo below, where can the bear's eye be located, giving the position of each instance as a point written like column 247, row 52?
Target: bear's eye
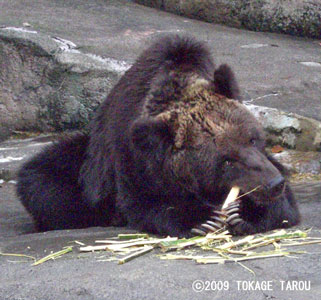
column 228, row 162
column 253, row 142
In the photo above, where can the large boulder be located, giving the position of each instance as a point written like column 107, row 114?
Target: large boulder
column 47, row 84
column 295, row 17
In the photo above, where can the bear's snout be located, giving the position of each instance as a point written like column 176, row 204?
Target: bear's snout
column 276, row 186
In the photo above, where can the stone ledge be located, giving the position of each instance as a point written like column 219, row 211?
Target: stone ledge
column 47, row 84
column 294, row 17
column 288, row 129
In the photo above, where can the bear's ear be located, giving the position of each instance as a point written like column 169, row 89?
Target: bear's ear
column 225, row 83
column 148, row 133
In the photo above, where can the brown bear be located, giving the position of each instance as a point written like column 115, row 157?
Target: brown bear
column 164, row 149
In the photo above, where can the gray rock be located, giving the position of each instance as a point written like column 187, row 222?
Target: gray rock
column 299, row 162
column 295, row 17
column 48, row 84
column 13, row 153
column 289, row 129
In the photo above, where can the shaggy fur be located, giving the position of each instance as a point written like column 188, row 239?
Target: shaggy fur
column 163, row 151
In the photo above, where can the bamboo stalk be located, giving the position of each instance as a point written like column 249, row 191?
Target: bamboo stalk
column 119, row 242
column 302, row 243
column 135, row 255
column 17, row 255
column 52, row 256
column 216, row 260
column 131, row 236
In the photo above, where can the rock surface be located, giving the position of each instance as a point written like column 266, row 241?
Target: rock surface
column 301, row 163
column 47, row 84
column 13, row 153
column 288, row 129
column 295, row 17
column 53, row 73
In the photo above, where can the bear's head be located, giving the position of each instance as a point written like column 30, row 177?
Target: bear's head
column 204, row 142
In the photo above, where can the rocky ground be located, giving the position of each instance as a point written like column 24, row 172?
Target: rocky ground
column 295, row 17
column 44, row 84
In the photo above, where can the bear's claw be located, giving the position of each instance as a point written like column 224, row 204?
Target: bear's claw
column 212, row 226
column 234, row 222
column 233, row 214
column 229, row 218
column 197, row 231
column 233, row 219
column 215, row 223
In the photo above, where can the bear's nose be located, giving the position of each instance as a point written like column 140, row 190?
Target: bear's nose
column 276, row 186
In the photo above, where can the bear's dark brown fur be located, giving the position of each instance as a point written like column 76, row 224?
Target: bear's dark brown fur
column 163, row 152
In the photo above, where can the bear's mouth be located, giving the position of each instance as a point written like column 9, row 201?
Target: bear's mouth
column 254, row 196
column 261, row 195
